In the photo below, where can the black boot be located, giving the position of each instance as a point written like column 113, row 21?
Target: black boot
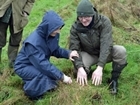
column 113, row 86
column 117, row 69
column 12, row 53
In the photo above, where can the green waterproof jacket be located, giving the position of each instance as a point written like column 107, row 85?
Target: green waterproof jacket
column 96, row 40
column 18, row 8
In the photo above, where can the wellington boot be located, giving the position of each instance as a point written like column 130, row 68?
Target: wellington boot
column 12, row 54
column 113, row 86
column 117, row 69
column 113, row 82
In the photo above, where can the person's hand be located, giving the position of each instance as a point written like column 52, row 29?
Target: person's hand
column 82, row 76
column 74, row 53
column 25, row 14
column 97, row 76
column 67, row 79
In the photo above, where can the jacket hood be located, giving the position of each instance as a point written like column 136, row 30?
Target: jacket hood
column 50, row 22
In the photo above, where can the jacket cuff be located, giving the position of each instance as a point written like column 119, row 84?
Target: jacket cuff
column 101, row 64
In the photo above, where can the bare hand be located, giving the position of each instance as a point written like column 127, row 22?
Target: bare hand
column 97, row 76
column 74, row 53
column 67, row 79
column 81, row 76
column 25, row 14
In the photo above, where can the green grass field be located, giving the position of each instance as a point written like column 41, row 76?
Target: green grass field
column 11, row 92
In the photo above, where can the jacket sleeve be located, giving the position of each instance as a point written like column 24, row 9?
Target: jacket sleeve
column 105, row 42
column 75, row 45
column 28, row 6
column 42, row 63
column 61, row 53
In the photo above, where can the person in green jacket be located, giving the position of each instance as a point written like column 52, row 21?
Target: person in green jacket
column 13, row 16
column 91, row 36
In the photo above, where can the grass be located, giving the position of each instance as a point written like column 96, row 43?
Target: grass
column 11, row 92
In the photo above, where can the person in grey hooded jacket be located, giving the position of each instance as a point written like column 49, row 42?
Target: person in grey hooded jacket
column 33, row 61
column 91, row 36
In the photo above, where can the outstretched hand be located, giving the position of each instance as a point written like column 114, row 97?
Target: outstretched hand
column 82, row 76
column 97, row 76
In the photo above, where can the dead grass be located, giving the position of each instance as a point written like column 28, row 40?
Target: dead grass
column 125, row 16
